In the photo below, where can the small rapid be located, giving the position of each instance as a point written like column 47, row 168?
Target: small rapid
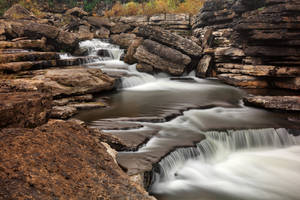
column 257, row 164
column 108, row 60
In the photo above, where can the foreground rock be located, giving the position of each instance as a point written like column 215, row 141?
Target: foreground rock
column 24, row 109
column 60, row 160
column 290, row 103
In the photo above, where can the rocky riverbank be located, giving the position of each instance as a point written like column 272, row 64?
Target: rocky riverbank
column 236, row 41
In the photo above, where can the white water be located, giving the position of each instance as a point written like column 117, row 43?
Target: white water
column 112, row 65
column 248, row 164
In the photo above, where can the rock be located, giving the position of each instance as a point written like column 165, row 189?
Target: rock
column 124, row 40
column 28, row 56
column 131, row 51
column 162, row 57
column 288, row 83
column 25, row 44
column 61, row 160
column 102, row 33
column 258, row 70
column 77, row 12
column 18, row 12
column 89, row 105
column 24, row 109
column 243, row 81
column 103, row 53
column 204, row 66
column 81, row 52
column 169, row 39
column 73, row 81
column 100, row 22
column 84, row 33
column 65, row 101
column 120, row 28
column 143, row 67
column 63, row 112
column 288, row 103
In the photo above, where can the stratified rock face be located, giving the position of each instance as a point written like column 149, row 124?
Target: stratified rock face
column 60, row 160
column 253, row 38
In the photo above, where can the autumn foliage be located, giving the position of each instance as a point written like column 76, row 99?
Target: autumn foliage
column 155, row 7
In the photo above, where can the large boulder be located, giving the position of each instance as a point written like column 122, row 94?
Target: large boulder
column 161, row 57
column 61, row 160
column 77, row 12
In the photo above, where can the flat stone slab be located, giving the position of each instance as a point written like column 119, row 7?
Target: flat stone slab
column 287, row 103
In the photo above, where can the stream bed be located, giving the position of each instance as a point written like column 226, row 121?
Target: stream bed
column 212, row 148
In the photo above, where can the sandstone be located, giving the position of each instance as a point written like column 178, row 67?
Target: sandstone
column 61, row 160
column 24, row 109
column 288, row 103
column 120, row 28
column 63, row 112
column 243, row 81
column 143, row 67
column 124, row 40
column 24, row 44
column 288, row 83
column 100, row 22
column 74, row 81
column 80, row 98
column 102, row 33
column 162, row 57
column 169, row 39
column 131, row 51
column 28, row 56
column 78, row 12
column 204, row 66
column 18, row 12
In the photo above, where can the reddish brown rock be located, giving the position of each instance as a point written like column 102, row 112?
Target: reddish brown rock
column 61, row 160
column 243, row 81
column 24, row 109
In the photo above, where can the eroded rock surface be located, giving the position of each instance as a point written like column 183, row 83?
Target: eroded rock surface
column 60, row 160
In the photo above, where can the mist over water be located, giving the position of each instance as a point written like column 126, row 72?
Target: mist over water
column 245, row 156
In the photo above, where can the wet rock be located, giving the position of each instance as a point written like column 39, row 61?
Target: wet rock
column 84, row 33
column 103, row 53
column 69, row 163
column 162, row 57
column 81, row 52
column 24, row 109
column 63, row 112
column 77, row 12
column 89, row 105
column 288, row 83
column 18, row 12
column 169, row 39
column 288, row 103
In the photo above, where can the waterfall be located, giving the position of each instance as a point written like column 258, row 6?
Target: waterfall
column 111, row 64
column 242, row 164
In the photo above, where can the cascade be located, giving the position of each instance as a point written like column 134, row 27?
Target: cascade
column 111, row 64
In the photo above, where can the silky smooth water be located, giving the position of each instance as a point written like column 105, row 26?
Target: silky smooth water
column 244, row 156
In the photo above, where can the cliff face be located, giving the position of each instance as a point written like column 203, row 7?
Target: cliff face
column 252, row 44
